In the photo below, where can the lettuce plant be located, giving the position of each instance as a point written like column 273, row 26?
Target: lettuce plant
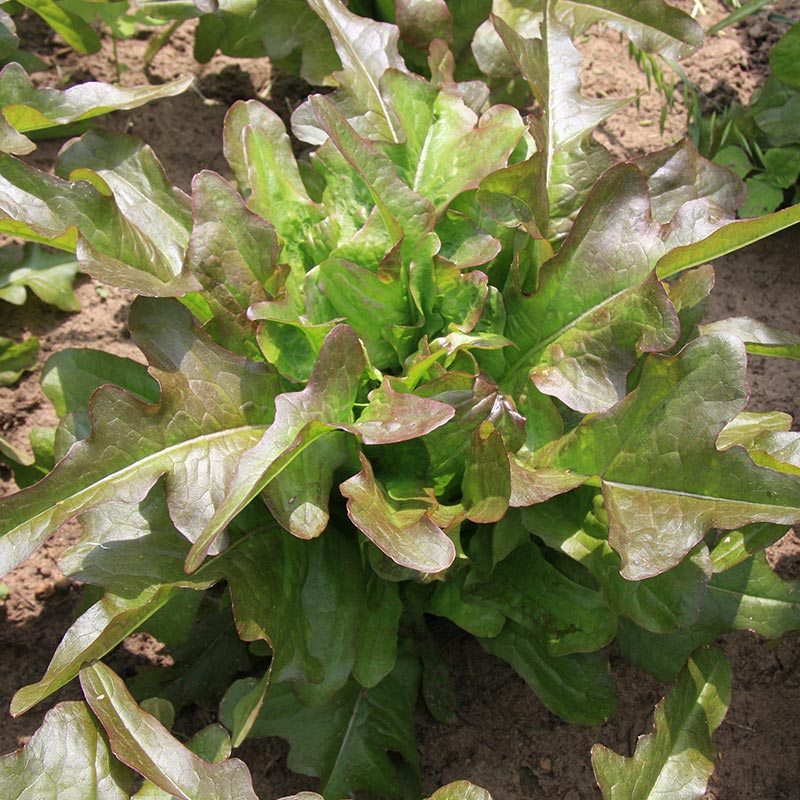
column 75, row 21
column 450, row 364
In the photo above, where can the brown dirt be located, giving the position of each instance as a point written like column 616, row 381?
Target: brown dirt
column 504, row 740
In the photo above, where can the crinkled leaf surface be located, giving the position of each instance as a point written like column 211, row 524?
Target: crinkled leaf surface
column 131, row 172
column 68, row 758
column 367, row 49
column 653, row 25
column 302, row 418
column 580, row 333
column 141, row 741
column 403, row 531
column 748, row 596
column 448, row 147
column 664, row 481
column 567, row 161
column 132, row 233
column 690, row 196
column 259, row 152
column 134, row 552
column 214, row 407
column 677, row 758
column 404, row 211
column 233, row 253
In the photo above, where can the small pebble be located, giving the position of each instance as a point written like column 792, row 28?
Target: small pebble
column 545, row 765
column 44, row 589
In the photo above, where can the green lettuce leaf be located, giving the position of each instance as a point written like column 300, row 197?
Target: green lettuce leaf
column 678, row 753
column 664, row 481
column 194, row 435
column 70, row 742
column 759, row 339
column 347, row 741
column 577, row 525
column 578, row 688
column 48, row 275
column 16, row 358
column 27, row 108
column 153, row 752
column 748, row 596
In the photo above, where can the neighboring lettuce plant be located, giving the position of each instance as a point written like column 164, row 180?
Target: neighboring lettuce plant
column 42, row 111
column 77, row 22
column 449, row 364
column 293, row 38
column 16, row 358
column 761, row 142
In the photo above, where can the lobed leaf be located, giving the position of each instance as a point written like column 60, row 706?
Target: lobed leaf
column 234, row 255
column 567, row 617
column 347, row 741
column 567, row 161
column 366, row 49
column 576, row 524
column 677, row 758
column 301, row 418
column 403, row 531
column 748, row 596
column 213, row 408
column 579, row 334
column 664, row 481
column 140, row 741
column 68, row 758
column 114, row 242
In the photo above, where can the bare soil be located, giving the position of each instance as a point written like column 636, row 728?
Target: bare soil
column 504, row 739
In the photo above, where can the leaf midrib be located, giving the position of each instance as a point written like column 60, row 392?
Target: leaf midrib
column 346, row 738
column 345, row 40
column 696, row 496
column 135, row 466
column 526, row 356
